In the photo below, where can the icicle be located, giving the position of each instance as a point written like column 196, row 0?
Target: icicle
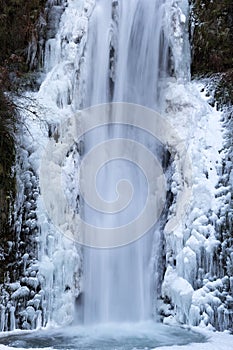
column 2, row 318
column 12, row 318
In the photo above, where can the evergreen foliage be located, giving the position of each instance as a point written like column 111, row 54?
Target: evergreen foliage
column 212, row 37
column 17, row 22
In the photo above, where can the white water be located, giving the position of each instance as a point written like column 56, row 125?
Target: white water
column 120, row 39
column 122, row 61
column 110, row 51
column 126, row 57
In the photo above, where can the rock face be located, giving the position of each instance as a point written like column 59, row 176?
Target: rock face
column 212, row 36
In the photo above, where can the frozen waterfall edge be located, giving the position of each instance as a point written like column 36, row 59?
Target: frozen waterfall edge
column 204, row 293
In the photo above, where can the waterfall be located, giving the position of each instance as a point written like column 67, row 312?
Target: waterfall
column 107, row 51
column 126, row 54
column 115, row 124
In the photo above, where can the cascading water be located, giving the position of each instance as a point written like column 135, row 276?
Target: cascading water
column 114, row 51
column 126, row 55
column 126, row 52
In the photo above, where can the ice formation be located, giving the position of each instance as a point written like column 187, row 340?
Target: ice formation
column 195, row 266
